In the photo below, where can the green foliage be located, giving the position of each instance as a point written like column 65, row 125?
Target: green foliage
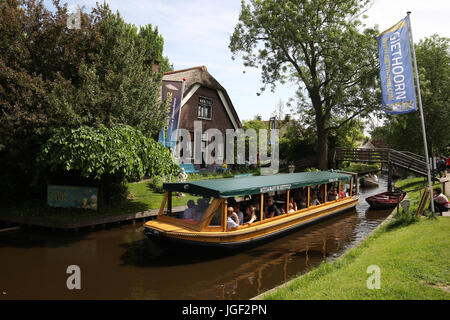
column 312, row 169
column 359, row 167
column 402, row 219
column 53, row 77
column 298, row 142
column 98, row 152
column 318, row 46
column 156, row 184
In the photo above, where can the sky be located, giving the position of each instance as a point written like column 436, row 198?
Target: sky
column 197, row 32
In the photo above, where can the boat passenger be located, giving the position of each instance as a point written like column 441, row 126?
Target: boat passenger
column 301, row 203
column 238, row 211
column 189, row 212
column 293, row 203
column 314, row 200
column 199, row 210
column 232, row 219
column 271, row 209
column 333, row 195
column 250, row 215
column 291, row 208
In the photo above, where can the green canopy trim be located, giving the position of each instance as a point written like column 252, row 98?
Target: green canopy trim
column 233, row 187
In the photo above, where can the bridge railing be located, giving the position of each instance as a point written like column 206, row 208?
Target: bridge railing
column 362, row 155
column 406, row 160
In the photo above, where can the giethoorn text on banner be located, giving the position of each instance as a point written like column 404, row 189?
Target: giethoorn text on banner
column 397, row 82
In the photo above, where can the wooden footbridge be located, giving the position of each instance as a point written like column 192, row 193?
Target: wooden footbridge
column 393, row 158
column 402, row 159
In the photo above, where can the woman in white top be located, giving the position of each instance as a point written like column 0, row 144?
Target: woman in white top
column 232, row 219
column 440, row 200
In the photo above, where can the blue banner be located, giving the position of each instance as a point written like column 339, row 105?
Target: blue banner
column 174, row 91
column 397, row 82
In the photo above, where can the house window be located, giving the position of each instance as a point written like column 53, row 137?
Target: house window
column 204, row 108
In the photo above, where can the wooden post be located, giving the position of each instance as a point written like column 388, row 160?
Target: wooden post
column 224, row 216
column 261, row 207
column 308, row 197
column 325, row 195
column 287, row 203
column 169, row 206
column 389, row 186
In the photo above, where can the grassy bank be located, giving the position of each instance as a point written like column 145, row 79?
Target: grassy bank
column 413, row 261
column 415, row 188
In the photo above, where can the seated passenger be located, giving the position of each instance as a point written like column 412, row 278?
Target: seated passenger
column 342, row 194
column 291, row 208
column 333, row 195
column 314, row 200
column 301, row 201
column 189, row 212
column 294, row 205
column 232, row 219
column 199, row 210
column 271, row 209
column 238, row 211
column 250, row 215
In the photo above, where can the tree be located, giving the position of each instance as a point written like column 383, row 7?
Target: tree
column 52, row 76
column 433, row 61
column 316, row 44
column 106, row 157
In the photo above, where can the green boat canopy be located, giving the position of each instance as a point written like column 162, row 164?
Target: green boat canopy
column 233, row 187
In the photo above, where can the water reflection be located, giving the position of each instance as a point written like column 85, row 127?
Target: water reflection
column 121, row 263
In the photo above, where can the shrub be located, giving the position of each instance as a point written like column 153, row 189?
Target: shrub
column 116, row 154
column 157, row 184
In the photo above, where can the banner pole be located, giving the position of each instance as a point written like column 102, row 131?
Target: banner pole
column 421, row 112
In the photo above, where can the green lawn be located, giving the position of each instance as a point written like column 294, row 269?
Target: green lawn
column 414, row 187
column 413, row 262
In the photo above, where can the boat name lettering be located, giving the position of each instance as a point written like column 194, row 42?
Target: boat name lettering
column 333, row 180
column 275, row 188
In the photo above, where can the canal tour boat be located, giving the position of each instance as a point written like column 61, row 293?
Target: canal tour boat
column 274, row 204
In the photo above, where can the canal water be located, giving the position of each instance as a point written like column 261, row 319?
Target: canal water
column 121, row 263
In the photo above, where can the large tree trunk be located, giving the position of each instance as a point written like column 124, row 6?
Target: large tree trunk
column 322, row 145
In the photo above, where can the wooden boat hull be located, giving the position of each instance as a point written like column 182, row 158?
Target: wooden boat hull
column 251, row 235
column 385, row 200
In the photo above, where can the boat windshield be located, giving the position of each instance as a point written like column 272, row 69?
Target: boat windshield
column 185, row 207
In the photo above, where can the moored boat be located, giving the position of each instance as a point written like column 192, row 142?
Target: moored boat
column 386, row 200
column 274, row 205
column 368, row 181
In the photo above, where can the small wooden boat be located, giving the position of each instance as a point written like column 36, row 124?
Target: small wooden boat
column 386, row 200
column 367, row 181
column 206, row 223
